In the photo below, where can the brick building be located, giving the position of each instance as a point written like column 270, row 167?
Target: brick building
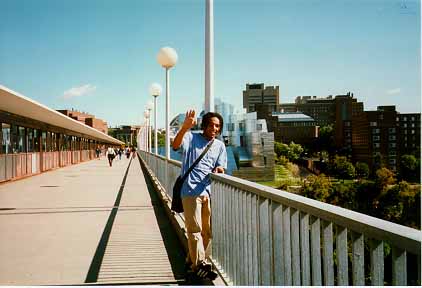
column 86, row 119
column 390, row 135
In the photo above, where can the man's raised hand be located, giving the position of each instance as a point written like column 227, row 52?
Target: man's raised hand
column 190, row 120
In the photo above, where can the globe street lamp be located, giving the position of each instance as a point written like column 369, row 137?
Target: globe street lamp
column 167, row 58
column 155, row 91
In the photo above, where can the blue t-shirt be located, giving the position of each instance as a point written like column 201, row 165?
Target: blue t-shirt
column 198, row 183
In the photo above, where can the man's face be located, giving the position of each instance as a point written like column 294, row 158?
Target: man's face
column 213, row 128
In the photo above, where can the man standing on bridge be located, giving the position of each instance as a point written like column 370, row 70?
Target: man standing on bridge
column 196, row 189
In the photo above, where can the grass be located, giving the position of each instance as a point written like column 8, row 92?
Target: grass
column 282, row 174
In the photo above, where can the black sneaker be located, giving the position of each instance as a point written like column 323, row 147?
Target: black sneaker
column 204, row 270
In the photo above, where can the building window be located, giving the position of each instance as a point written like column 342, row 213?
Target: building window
column 413, row 131
column 230, row 126
column 392, row 161
column 258, row 127
column 241, row 126
column 44, row 141
column 376, row 138
column 392, row 145
column 373, row 124
column 347, row 123
column 21, row 139
column 392, row 137
column 404, row 118
column 413, row 118
column 376, row 145
column 392, row 130
column 30, row 133
column 376, row 131
column 6, row 143
column 381, row 116
column 405, row 125
column 36, row 140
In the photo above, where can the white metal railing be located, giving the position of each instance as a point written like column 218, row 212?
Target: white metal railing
column 264, row 236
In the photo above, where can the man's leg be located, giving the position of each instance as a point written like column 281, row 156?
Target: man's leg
column 192, row 212
column 206, row 225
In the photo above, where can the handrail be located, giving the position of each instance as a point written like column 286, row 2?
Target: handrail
column 399, row 235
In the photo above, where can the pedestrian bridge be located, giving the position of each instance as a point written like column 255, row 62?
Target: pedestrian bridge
column 93, row 224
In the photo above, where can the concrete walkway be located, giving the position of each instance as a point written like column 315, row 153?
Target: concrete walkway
column 87, row 223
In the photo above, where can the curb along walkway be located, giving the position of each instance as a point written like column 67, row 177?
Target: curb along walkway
column 86, row 224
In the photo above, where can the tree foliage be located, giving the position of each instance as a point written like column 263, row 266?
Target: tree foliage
column 292, row 151
column 409, row 168
column 317, row 187
column 325, row 140
column 362, row 170
column 384, row 178
column 342, row 168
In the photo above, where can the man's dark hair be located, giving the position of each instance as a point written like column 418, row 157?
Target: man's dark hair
column 206, row 120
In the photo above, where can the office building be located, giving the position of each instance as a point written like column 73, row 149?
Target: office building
column 259, row 94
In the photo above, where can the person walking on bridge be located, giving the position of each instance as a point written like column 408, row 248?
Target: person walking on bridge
column 110, row 155
column 196, row 189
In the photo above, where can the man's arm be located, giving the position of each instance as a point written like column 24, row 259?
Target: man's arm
column 221, row 162
column 189, row 122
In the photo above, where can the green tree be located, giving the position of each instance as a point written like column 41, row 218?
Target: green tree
column 384, row 178
column 281, row 149
column 342, row 168
column 317, row 187
column 408, row 167
column 362, row 170
column 344, row 195
column 295, row 151
column 326, row 138
column 401, row 204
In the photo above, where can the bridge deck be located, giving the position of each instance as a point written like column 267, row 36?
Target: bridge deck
column 87, row 223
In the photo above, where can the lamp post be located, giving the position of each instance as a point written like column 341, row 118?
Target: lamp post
column 149, row 108
column 146, row 115
column 167, row 58
column 155, row 91
column 209, row 56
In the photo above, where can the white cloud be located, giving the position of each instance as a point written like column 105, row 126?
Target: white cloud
column 79, row 91
column 394, row 91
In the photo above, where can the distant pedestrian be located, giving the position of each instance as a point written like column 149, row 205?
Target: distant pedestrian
column 98, row 152
column 110, row 155
column 120, row 151
column 196, row 189
column 127, row 152
column 133, row 150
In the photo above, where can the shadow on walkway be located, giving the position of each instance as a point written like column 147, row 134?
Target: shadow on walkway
column 173, row 247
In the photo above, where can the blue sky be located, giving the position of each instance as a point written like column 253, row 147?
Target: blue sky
column 99, row 56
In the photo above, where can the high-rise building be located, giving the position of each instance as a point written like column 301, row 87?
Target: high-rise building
column 382, row 136
column 259, row 94
column 409, row 133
